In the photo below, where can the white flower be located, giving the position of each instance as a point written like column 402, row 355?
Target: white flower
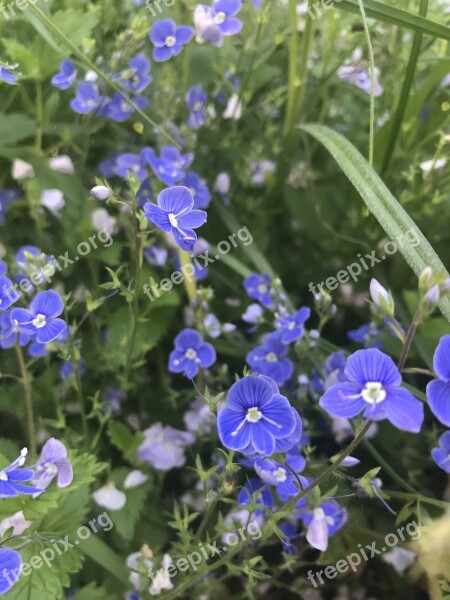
column 100, row 192
column 91, row 76
column 433, row 165
column 62, row 164
column 17, row 521
column 162, row 581
column 222, row 183
column 21, row 169
column 233, row 109
column 399, row 558
column 110, row 497
column 134, row 479
column 101, row 219
column 317, row 533
column 53, row 200
column 206, row 29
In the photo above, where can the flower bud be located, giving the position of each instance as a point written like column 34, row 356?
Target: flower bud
column 100, row 192
column 425, row 280
column 382, row 298
column 431, row 298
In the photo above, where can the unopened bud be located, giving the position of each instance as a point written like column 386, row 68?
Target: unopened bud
column 100, row 192
column 382, row 298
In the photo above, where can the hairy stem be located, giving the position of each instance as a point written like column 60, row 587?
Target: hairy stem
column 26, row 382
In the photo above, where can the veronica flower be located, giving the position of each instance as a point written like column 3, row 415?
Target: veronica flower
column 323, row 522
column 291, row 328
column 110, row 497
column 224, row 16
column 373, row 387
column 438, row 390
column 260, row 169
column 367, row 334
column 8, row 295
column 53, row 463
column 67, row 369
column 441, row 455
column 360, row 78
column 255, row 417
column 199, row 419
column 258, row 287
column 87, row 98
column 10, row 563
column 137, row 77
column 102, row 220
column 8, row 74
column 100, row 192
column 175, row 214
column 279, row 475
column 206, row 29
column 11, row 333
column 169, row 39
column 6, row 197
column 290, row 531
column 253, row 314
column 41, row 318
column 163, row 447
column 22, row 169
column 130, row 163
column 198, row 188
column 66, row 76
column 17, row 522
column 255, row 490
column 170, row 166
column 270, row 359
column 120, row 110
column 145, row 193
column 53, row 200
column 196, row 100
column 156, row 255
column 62, row 164
column 13, row 478
column 190, row 353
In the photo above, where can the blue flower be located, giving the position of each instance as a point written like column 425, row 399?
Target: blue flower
column 275, row 473
column 291, row 328
column 290, row 531
column 323, row 522
column 136, row 78
column 175, row 214
column 13, row 478
column 196, row 100
column 199, row 189
column 66, row 76
column 438, row 390
column 360, row 78
column 87, row 98
column 53, row 463
column 10, row 567
column 255, row 490
column 8, row 74
column 170, row 166
column 169, row 39
column 6, row 197
column 41, row 318
column 8, row 294
column 11, row 333
column 145, row 193
column 256, row 416
column 258, row 287
column 156, row 255
column 441, row 455
column 190, row 353
column 367, row 334
column 128, row 162
column 120, row 110
column 269, row 359
column 373, row 387
column 67, row 369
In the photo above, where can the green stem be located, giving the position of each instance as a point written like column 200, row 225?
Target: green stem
column 387, row 467
column 137, row 285
column 26, row 382
column 419, row 372
column 408, row 341
column 39, row 117
column 372, row 82
column 189, row 281
column 405, row 496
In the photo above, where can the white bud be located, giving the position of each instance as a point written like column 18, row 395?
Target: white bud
column 100, row 192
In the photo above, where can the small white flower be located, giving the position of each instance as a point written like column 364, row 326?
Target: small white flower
column 134, row 479
column 222, row 183
column 21, row 169
column 432, row 165
column 62, row 164
column 233, row 109
column 399, row 558
column 101, row 219
column 110, row 497
column 17, row 521
column 162, row 581
column 53, row 200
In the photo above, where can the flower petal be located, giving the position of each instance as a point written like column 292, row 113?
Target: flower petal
column 403, row 410
column 184, row 34
column 441, row 360
column 158, row 216
column 372, row 365
column 161, row 30
column 228, row 423
column 230, row 27
column 339, row 400
column 195, row 218
column 177, row 200
column 47, row 303
column 262, row 438
column 51, row 331
column 249, row 392
column 438, row 394
column 10, row 566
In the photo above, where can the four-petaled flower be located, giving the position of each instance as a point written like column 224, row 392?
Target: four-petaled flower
column 322, row 522
column 13, row 478
column 169, row 39
column 190, row 353
column 258, row 287
column 438, row 390
column 137, row 77
column 291, row 328
column 41, row 318
column 8, row 74
column 196, row 100
column 53, row 462
column 270, row 359
column 373, row 386
column 256, row 417
column 441, row 455
column 199, row 189
column 175, row 214
column 87, row 98
column 66, row 76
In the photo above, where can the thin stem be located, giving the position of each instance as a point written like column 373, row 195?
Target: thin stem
column 39, row 117
column 424, row 499
column 387, row 467
column 137, row 284
column 190, row 282
column 419, row 372
column 26, row 382
column 408, row 341
column 372, row 82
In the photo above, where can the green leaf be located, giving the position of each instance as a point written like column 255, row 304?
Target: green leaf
column 99, row 552
column 397, row 16
column 123, row 439
column 15, row 128
column 125, row 520
column 92, row 592
column 390, row 214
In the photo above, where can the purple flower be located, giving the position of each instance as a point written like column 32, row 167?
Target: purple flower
column 175, row 214
column 269, row 359
column 10, row 565
column 441, row 455
column 258, row 287
column 163, row 447
column 156, row 255
column 87, row 98
column 11, row 333
column 66, row 76
column 253, row 314
column 291, row 328
column 8, row 295
column 190, row 353
column 198, row 188
column 438, row 390
column 323, row 522
column 360, row 78
column 169, row 39
column 255, row 491
column 8, row 74
column 128, row 162
column 41, row 318
column 290, row 530
column 137, row 77
column 53, row 462
column 145, row 193
column 67, row 369
column 256, row 417
column 13, row 477
column 367, row 334
column 206, row 28
column 170, row 166
column 196, row 100
column 275, row 473
column 120, row 110
column 225, row 11
column 6, row 197
column 373, row 387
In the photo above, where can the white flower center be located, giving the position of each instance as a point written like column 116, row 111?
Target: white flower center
column 52, row 468
column 220, row 17
column 173, row 220
column 171, row 41
column 39, row 321
column 271, row 357
column 254, row 415
column 373, row 392
column 280, row 474
column 262, row 289
column 291, row 325
column 198, row 106
column 3, row 477
column 190, row 354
